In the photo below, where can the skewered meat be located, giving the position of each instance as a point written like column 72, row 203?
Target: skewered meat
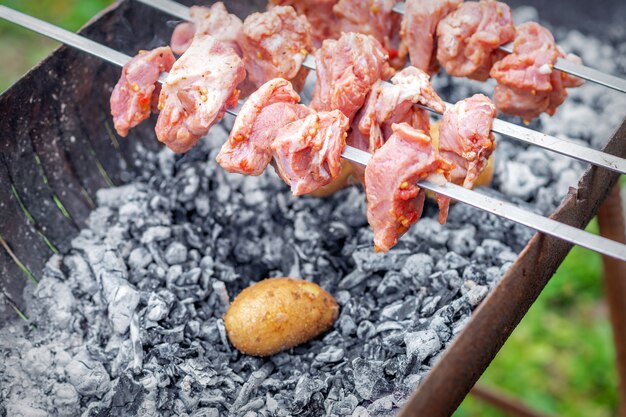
column 465, row 138
column 372, row 17
column 199, row 88
column 320, row 15
column 394, row 201
column 135, row 92
column 528, row 84
column 275, row 44
column 248, row 149
column 468, row 38
column 347, row 69
column 419, row 27
column 214, row 21
column 394, row 103
column 307, row 152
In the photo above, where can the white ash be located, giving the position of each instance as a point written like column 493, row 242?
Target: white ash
column 129, row 321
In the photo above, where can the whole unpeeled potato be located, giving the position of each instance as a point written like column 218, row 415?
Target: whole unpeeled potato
column 278, row 313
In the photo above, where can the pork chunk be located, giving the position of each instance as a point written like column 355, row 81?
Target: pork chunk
column 319, row 13
column 248, row 149
column 465, row 138
column 214, row 21
column 134, row 93
column 390, row 103
column 199, row 88
column 307, row 152
column 275, row 44
column 371, row 17
column 528, row 84
column 347, row 69
column 468, row 38
column 419, row 28
column 394, row 200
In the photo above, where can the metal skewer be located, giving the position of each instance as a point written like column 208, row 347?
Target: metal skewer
column 551, row 143
column 578, row 70
column 590, row 74
column 500, row 208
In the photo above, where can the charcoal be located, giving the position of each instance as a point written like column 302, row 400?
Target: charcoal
column 176, row 253
column 88, row 376
column 369, row 378
column 145, row 285
column 330, row 354
column 421, row 345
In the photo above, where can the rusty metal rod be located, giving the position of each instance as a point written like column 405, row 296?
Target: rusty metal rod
column 509, row 405
column 611, row 220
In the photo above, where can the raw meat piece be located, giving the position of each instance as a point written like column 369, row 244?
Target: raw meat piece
column 214, row 21
column 134, row 93
column 388, row 104
column 200, row 87
column 248, row 149
column 394, row 103
column 528, row 85
column 372, row 17
column 324, row 24
column 394, row 201
column 307, row 152
column 465, row 138
column 275, row 44
column 419, row 27
column 346, row 71
column 468, row 38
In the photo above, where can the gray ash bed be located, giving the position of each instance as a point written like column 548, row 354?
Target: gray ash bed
column 139, row 266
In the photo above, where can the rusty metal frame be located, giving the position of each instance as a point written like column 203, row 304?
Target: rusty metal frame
column 29, row 134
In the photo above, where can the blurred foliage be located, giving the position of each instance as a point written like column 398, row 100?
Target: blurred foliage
column 22, row 49
column 558, row 360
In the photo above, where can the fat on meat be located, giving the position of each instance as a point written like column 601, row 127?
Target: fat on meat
column 319, row 13
column 214, row 21
column 137, row 89
column 465, row 138
column 419, row 30
column 307, row 152
column 248, row 149
column 346, row 70
column 201, row 85
column 275, row 44
column 394, row 200
column 468, row 38
column 528, row 84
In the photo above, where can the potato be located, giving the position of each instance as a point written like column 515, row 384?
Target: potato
column 341, row 182
column 278, row 313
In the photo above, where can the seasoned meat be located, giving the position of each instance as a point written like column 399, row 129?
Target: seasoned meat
column 465, row 138
column 214, row 21
column 248, row 149
column 419, row 27
column 388, row 104
column 134, row 93
column 394, row 201
column 371, row 17
column 324, row 24
column 307, row 152
column 275, row 44
column 468, row 38
column 200, row 87
column 528, row 84
column 346, row 71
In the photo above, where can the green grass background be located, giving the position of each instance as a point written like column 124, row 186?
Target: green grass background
column 560, row 358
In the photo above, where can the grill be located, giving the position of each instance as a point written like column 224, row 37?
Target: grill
column 60, row 150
